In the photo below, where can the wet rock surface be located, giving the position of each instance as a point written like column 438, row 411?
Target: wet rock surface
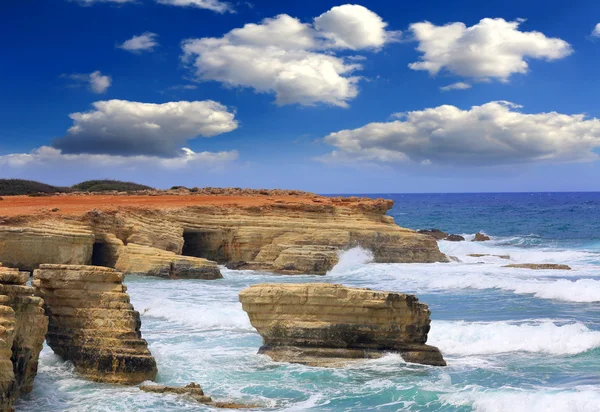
column 538, row 266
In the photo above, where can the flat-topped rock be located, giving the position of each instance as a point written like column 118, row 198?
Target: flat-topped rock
column 149, row 261
column 192, row 390
column 506, row 257
column 330, row 325
column 437, row 234
column 93, row 324
column 538, row 266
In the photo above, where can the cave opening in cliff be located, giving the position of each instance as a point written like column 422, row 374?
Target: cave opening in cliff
column 102, row 255
column 205, row 244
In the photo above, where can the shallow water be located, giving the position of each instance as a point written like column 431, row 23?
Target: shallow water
column 515, row 339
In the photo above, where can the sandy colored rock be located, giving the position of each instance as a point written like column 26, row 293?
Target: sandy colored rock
column 486, row 254
column 192, row 390
column 480, row 237
column 23, row 327
column 330, row 325
column 435, row 233
column 539, row 266
column 454, row 238
column 149, row 261
column 93, row 324
column 278, row 231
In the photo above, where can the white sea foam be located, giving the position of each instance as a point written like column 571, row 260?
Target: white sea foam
column 352, row 259
column 511, row 400
column 485, row 338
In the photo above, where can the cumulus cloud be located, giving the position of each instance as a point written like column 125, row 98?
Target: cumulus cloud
column 456, row 86
column 492, row 48
column 95, row 81
column 494, row 133
column 214, row 5
column 125, row 128
column 50, row 157
column 596, row 31
column 292, row 59
column 144, row 42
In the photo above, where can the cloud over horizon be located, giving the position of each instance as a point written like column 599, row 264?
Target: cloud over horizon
column 494, row 133
column 125, row 128
column 490, row 49
column 291, row 59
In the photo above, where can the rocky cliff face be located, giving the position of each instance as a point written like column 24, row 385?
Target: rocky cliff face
column 287, row 234
column 93, row 324
column 328, row 325
column 23, row 327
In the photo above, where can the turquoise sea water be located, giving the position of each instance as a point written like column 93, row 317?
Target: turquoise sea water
column 515, row 339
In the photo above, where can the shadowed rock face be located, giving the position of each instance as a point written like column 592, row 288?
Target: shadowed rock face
column 328, row 325
column 23, row 327
column 93, row 324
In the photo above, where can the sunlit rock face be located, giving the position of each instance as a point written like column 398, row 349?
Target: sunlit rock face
column 93, row 324
column 329, row 325
column 23, row 327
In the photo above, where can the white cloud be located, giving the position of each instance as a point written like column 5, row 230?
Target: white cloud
column 95, row 81
column 121, row 127
column 596, row 31
column 456, row 86
column 49, row 157
column 214, row 5
column 144, row 42
column 491, row 134
column 90, row 2
column 492, row 48
column 292, row 59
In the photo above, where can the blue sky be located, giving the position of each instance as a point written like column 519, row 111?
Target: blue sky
column 321, row 99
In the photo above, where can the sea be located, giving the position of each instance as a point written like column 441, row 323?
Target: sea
column 515, row 340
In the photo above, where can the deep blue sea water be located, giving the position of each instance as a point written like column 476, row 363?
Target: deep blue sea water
column 515, row 339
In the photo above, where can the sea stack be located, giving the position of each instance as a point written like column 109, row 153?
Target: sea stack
column 93, row 324
column 23, row 327
column 331, row 325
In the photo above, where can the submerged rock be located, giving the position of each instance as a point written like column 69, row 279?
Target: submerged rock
column 435, row 233
column 538, row 266
column 454, row 238
column 480, row 237
column 23, row 327
column 331, row 325
column 93, row 324
column 486, row 254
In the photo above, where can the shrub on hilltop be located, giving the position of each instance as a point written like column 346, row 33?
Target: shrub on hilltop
column 108, row 186
column 19, row 187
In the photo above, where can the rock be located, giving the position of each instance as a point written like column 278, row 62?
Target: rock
column 192, row 390
column 23, row 327
column 480, row 237
column 538, row 266
column 454, row 238
column 148, row 261
column 93, row 324
column 45, row 242
column 485, row 254
column 435, row 233
column 332, row 325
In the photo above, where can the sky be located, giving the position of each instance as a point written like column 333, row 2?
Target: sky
column 375, row 96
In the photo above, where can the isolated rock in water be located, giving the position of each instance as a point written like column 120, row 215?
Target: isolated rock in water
column 192, row 390
column 149, row 261
column 48, row 242
column 485, row 254
column 480, row 237
column 538, row 266
column 23, row 327
column 436, row 233
column 330, row 325
column 454, row 238
column 93, row 324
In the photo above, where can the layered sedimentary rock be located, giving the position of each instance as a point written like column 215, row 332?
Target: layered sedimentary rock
column 283, row 233
column 23, row 327
column 192, row 390
column 93, row 324
column 538, row 266
column 26, row 247
column 328, row 325
column 149, row 261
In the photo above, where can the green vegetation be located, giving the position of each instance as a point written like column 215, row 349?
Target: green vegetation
column 19, row 187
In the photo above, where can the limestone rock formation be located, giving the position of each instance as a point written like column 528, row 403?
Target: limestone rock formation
column 480, row 237
column 45, row 242
column 538, row 266
column 437, row 234
column 329, row 325
column 192, row 390
column 506, row 257
column 149, row 261
column 454, row 238
column 23, row 327
column 93, row 324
